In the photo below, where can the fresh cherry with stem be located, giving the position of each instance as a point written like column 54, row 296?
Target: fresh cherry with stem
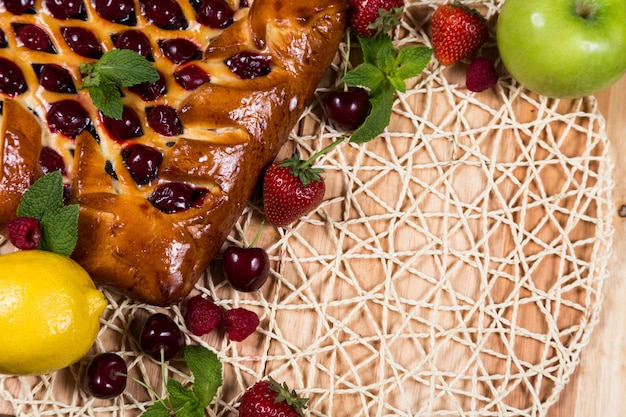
column 246, row 268
column 348, row 108
column 160, row 337
column 105, row 376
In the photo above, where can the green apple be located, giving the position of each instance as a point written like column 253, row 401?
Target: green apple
column 563, row 48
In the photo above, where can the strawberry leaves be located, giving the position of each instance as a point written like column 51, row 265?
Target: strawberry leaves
column 383, row 72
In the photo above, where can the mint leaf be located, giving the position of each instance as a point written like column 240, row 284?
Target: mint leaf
column 126, row 68
column 383, row 72
column 365, row 75
column 207, row 372
column 378, row 51
column 59, row 230
column 412, row 60
column 59, row 223
column 116, row 68
column 183, row 401
column 108, row 99
column 45, row 194
column 206, row 369
column 158, row 409
column 378, row 119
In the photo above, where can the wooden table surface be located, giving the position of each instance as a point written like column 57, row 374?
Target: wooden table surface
column 598, row 386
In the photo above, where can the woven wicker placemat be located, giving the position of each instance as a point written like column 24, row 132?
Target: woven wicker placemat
column 454, row 268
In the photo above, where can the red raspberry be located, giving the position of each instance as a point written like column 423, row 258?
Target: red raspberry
column 480, row 75
column 24, row 232
column 240, row 323
column 203, row 315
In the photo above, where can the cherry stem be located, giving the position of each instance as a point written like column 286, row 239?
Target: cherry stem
column 345, row 67
column 327, row 148
column 258, row 234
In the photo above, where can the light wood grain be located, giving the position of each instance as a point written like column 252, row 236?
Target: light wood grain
column 598, row 386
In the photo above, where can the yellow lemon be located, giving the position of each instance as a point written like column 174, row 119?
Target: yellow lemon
column 49, row 312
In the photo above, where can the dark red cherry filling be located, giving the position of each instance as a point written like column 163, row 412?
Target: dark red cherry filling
column 18, row 6
column 164, row 120
column 67, row 117
column 215, row 14
column 3, row 40
column 50, row 161
column 55, row 78
column 191, row 77
column 172, row 197
column 128, row 127
column 150, row 91
column 82, row 41
column 33, row 37
column 142, row 162
column 65, row 9
column 165, row 14
column 249, row 65
column 12, row 81
column 135, row 41
column 117, row 11
column 180, row 50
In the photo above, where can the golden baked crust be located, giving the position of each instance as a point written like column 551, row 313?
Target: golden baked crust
column 233, row 128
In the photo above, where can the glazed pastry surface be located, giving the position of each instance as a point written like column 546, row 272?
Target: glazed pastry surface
column 209, row 126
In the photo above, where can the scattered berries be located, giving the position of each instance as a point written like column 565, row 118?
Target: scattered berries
column 203, row 315
column 268, row 398
column 240, row 323
column 481, row 75
column 371, row 17
column 457, row 32
column 24, row 232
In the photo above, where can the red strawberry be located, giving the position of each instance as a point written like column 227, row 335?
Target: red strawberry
column 293, row 188
column 457, row 32
column 268, row 398
column 371, row 17
column 480, row 75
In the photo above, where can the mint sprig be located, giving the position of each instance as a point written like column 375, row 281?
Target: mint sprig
column 116, row 68
column 383, row 72
column 206, row 369
column 58, row 222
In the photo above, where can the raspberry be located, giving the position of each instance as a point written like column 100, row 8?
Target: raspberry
column 203, row 315
column 24, row 232
column 480, row 75
column 240, row 323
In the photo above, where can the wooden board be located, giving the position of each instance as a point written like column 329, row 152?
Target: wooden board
column 454, row 268
column 598, row 385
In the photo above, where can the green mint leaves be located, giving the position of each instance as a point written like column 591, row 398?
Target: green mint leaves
column 116, row 68
column 206, row 369
column 383, row 72
column 59, row 223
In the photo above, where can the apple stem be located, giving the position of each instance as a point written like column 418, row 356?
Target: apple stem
column 584, row 9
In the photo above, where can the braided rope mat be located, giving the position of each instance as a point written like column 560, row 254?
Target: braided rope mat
column 455, row 267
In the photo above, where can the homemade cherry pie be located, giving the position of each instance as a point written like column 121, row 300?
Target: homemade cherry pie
column 159, row 189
